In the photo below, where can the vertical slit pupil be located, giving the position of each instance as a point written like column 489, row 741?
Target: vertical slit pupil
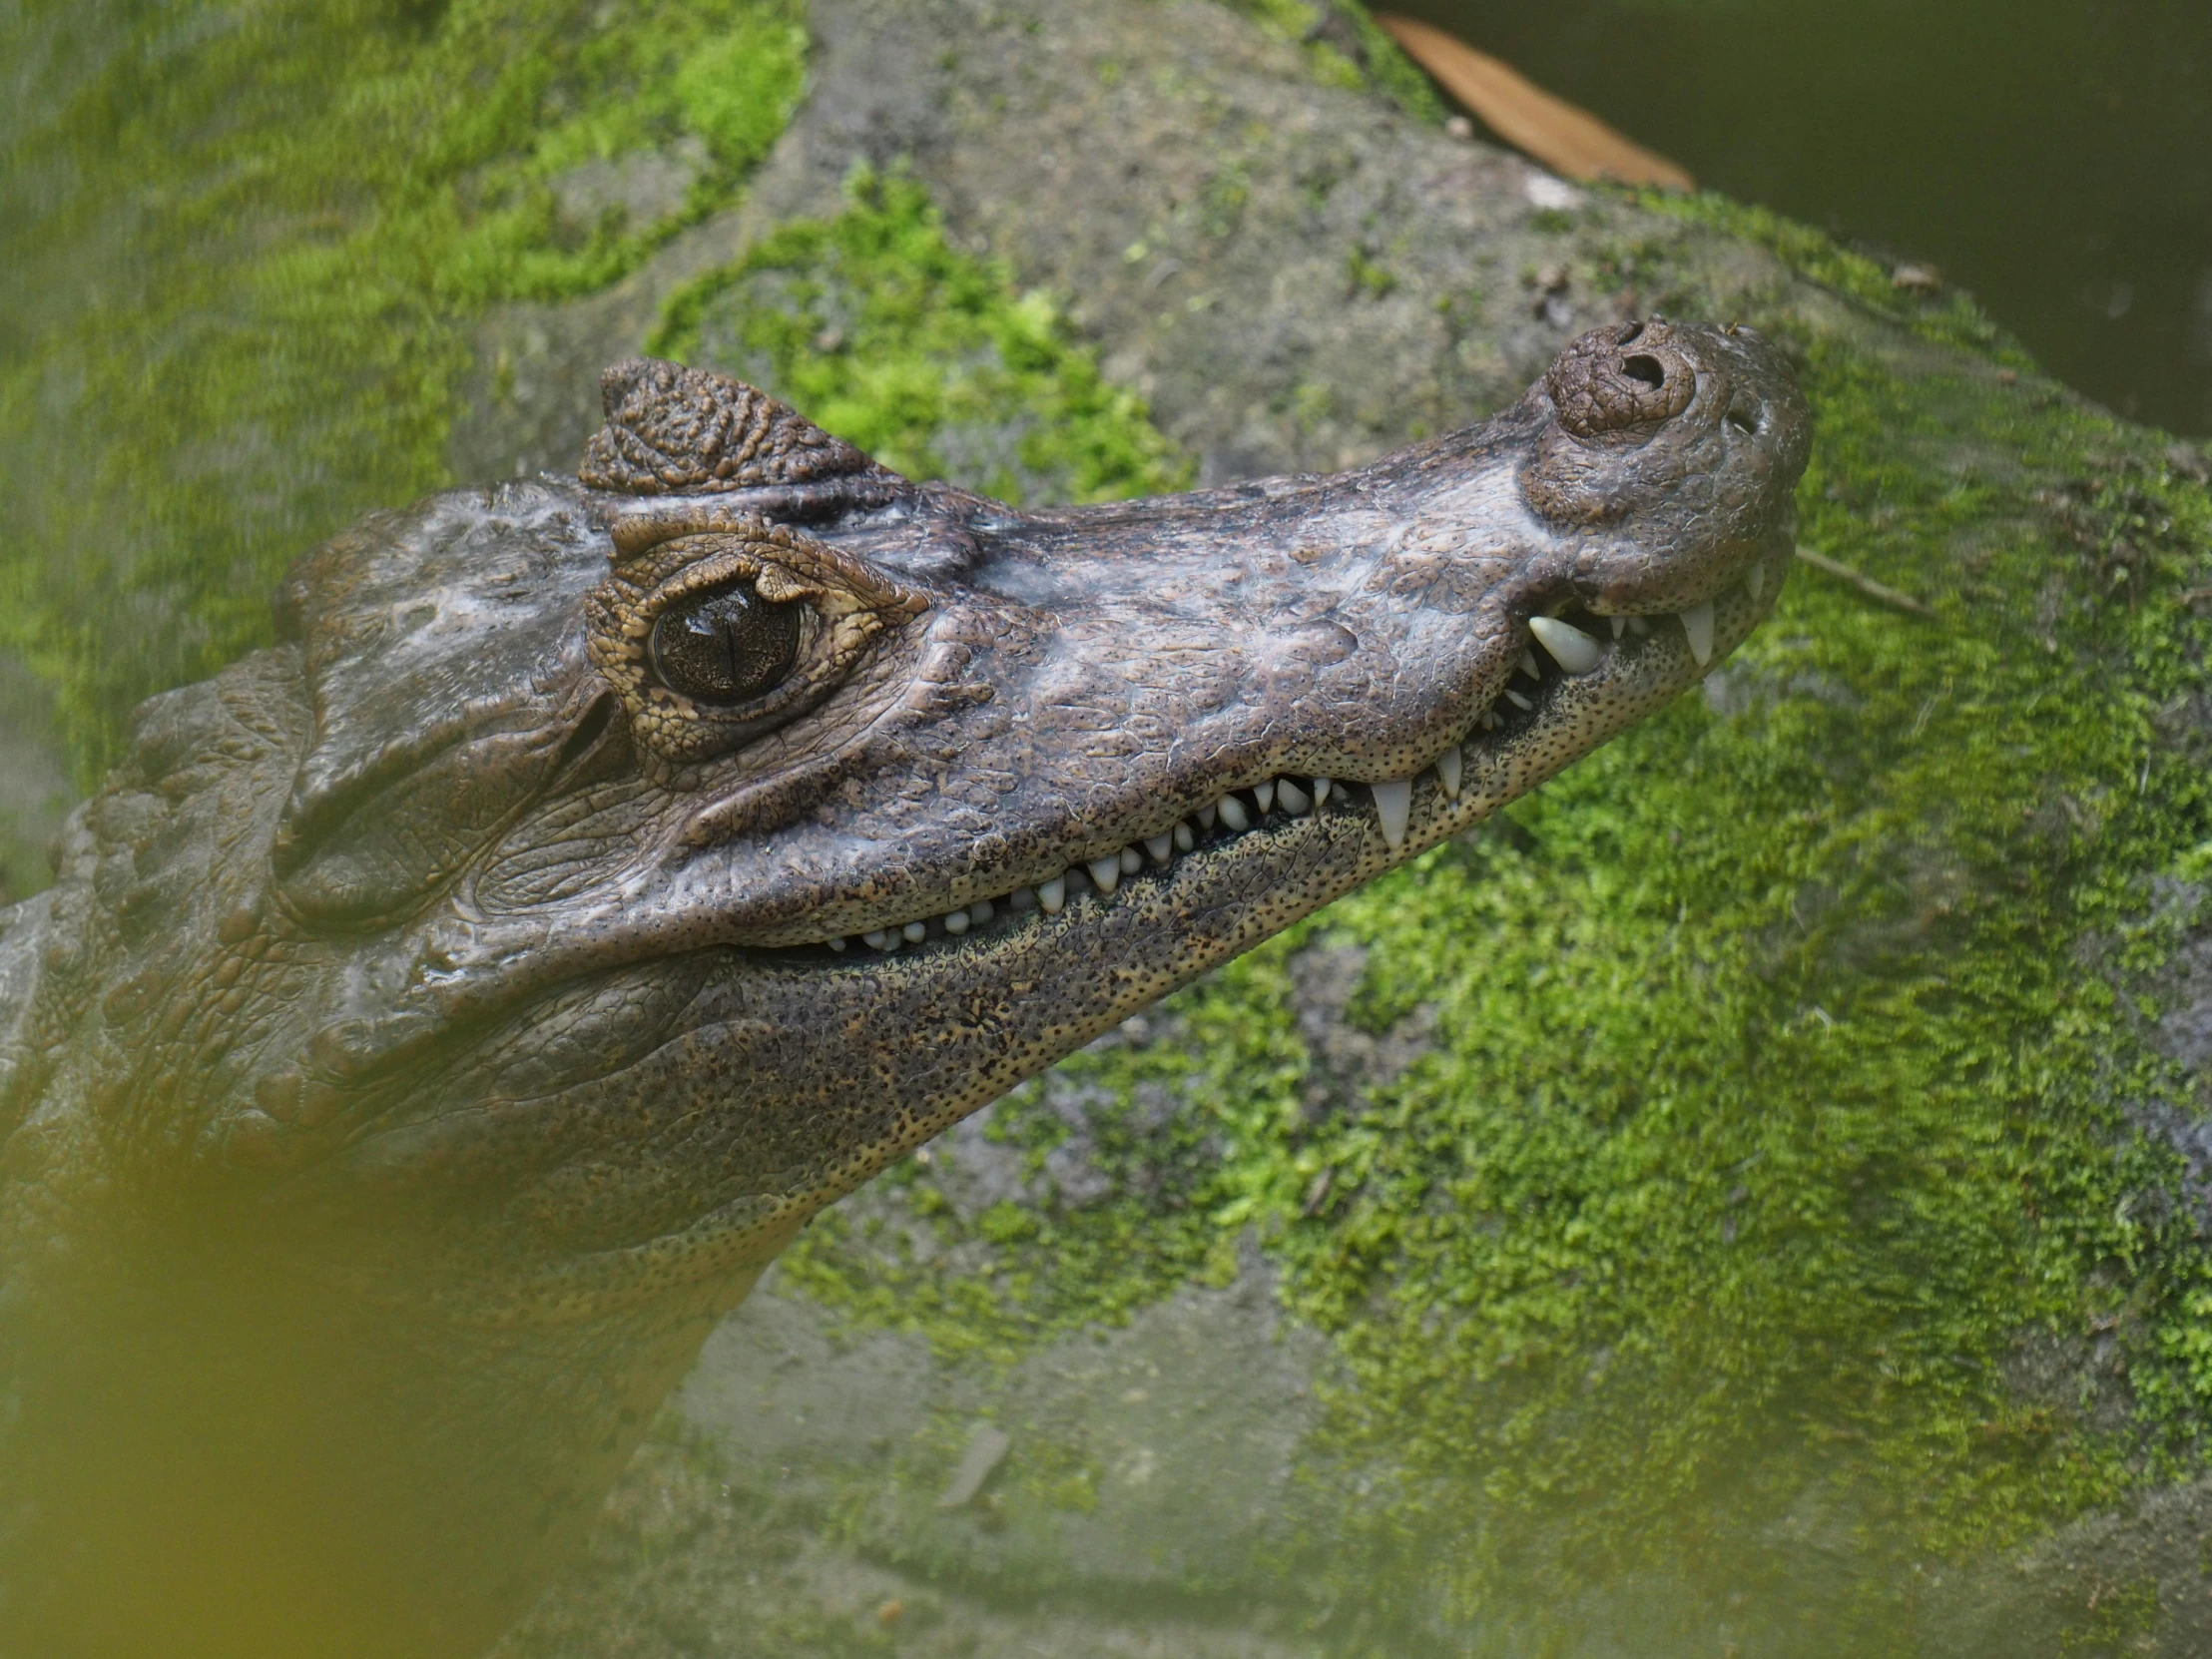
column 726, row 645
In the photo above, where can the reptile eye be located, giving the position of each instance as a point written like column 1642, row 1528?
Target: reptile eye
column 726, row 645
column 730, row 626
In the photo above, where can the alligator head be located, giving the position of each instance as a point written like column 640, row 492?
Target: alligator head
column 602, row 875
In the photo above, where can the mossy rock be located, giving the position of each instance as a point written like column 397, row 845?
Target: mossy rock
column 1750, row 1195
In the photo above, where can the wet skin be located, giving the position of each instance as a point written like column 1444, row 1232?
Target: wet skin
column 443, row 1016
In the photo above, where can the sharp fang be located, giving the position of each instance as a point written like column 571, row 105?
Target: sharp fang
column 1184, row 839
column 1620, row 626
column 1490, row 720
column 1639, row 627
column 1263, row 793
column 1294, row 800
column 1052, row 894
column 1322, row 786
column 1447, row 771
column 955, row 922
column 1206, row 816
column 1697, row 626
column 1755, row 581
column 982, row 911
column 1394, row 805
column 1106, row 871
column 1519, row 701
column 1233, row 813
column 1023, row 898
column 1576, row 651
column 1162, row 848
column 877, row 939
column 1131, row 860
column 916, row 931
column 1529, row 664
column 838, row 945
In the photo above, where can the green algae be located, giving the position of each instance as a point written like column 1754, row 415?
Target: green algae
column 297, row 211
column 927, row 357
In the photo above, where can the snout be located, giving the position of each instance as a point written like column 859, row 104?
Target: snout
column 1620, row 378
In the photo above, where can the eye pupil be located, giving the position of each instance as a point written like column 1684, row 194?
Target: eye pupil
column 726, row 645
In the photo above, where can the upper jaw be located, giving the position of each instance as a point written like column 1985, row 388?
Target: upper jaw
column 881, row 873
column 1574, row 681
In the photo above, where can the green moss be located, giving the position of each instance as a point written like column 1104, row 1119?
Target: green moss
column 288, row 199
column 1768, row 1140
column 2115, row 1622
column 927, row 357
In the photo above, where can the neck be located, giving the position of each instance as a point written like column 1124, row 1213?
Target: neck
column 204, row 1461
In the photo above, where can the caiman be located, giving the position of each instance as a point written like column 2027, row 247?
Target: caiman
column 443, row 1016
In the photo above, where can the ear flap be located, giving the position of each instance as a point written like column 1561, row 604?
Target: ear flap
column 673, row 430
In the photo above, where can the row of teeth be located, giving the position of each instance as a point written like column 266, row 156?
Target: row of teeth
column 1235, row 812
column 1575, row 652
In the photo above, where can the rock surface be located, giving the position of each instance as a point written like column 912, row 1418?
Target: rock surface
column 1293, row 274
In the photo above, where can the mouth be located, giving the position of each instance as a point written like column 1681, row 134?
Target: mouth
column 1578, row 679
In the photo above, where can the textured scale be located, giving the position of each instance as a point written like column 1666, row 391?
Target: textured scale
column 673, row 430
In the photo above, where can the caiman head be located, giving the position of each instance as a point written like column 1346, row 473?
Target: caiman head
column 603, row 875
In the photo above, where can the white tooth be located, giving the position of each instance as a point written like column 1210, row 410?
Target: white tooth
column 1447, row 771
column 1639, row 627
column 1322, row 786
column 1206, row 816
column 1295, row 799
column 1620, row 626
column 1184, row 839
column 877, row 938
column 1053, row 894
column 1529, row 664
column 916, row 931
column 955, row 922
column 838, row 945
column 1105, row 872
column 1490, row 720
column 1131, row 860
column 1023, row 898
column 1162, row 848
column 982, row 911
column 1263, row 793
column 1697, row 626
column 1755, row 581
column 1394, row 805
column 1233, row 814
column 1519, row 701
column 1576, row 650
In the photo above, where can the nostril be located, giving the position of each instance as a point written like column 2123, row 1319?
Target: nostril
column 1630, row 333
column 1744, row 418
column 1597, row 388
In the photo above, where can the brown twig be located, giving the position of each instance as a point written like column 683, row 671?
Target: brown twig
column 1564, row 137
column 1880, row 593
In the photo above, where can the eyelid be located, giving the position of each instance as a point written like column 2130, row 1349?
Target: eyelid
column 849, row 603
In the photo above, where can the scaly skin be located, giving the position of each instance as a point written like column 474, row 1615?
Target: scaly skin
column 442, row 1017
